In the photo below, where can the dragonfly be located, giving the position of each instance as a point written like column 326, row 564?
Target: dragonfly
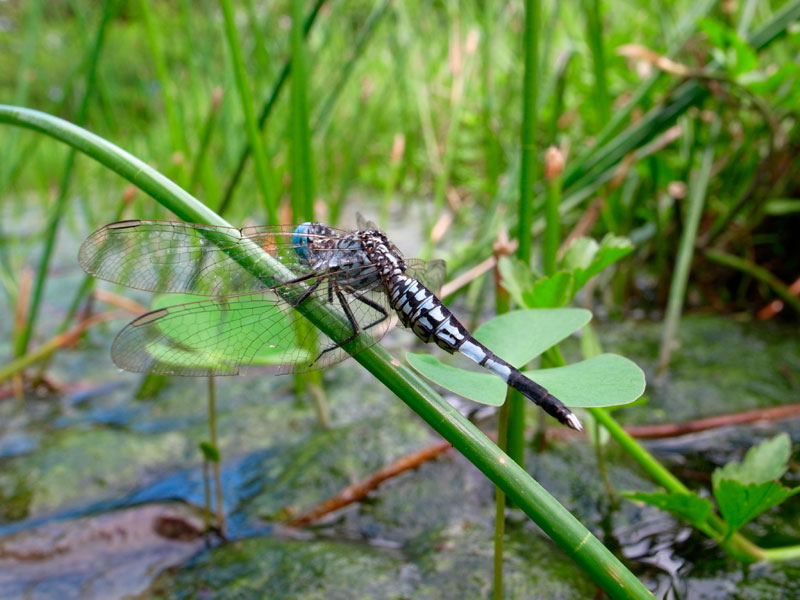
column 352, row 281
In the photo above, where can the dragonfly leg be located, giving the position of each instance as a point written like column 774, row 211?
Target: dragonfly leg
column 309, row 290
column 375, row 306
column 334, row 289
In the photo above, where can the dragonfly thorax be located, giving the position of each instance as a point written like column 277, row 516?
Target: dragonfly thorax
column 382, row 253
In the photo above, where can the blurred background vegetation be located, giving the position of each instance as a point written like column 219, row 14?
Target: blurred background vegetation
column 672, row 124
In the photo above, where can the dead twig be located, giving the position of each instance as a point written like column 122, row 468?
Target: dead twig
column 667, row 430
column 357, row 491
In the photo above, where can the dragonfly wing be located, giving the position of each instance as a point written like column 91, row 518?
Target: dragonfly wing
column 176, row 257
column 226, row 336
column 431, row 273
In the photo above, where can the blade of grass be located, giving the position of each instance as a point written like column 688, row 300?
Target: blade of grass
column 680, row 276
column 11, row 157
column 528, row 173
column 266, row 111
column 95, row 51
column 491, row 151
column 594, row 38
column 177, row 134
column 58, row 341
column 302, row 183
column 264, row 175
column 205, row 141
column 302, row 190
column 572, row 537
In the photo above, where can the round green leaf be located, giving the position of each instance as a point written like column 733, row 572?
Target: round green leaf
column 478, row 387
column 520, row 336
column 604, row 380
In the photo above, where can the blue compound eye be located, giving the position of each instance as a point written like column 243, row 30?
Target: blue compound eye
column 300, row 240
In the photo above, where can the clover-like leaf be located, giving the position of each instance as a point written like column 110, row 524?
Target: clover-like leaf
column 604, row 380
column 521, row 335
column 478, row 387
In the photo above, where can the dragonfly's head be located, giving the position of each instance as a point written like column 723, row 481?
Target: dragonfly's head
column 301, row 241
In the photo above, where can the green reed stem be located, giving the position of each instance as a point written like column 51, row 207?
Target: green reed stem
column 529, row 157
column 22, row 87
column 491, row 150
column 266, row 111
column 10, row 157
column 500, row 507
column 264, row 176
column 215, row 464
column 680, row 276
column 200, row 163
column 22, row 341
column 594, row 38
column 177, row 134
column 572, row 537
column 552, row 230
column 302, row 189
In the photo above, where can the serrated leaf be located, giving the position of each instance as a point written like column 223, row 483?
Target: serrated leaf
column 740, row 503
column 521, row 335
column 688, row 506
column 605, row 380
column 550, row 292
column 764, row 462
column 210, row 451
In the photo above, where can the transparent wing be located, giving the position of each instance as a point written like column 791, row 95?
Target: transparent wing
column 225, row 336
column 431, row 273
column 176, row 257
column 365, row 224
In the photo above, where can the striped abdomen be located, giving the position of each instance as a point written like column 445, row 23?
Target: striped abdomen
column 421, row 311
